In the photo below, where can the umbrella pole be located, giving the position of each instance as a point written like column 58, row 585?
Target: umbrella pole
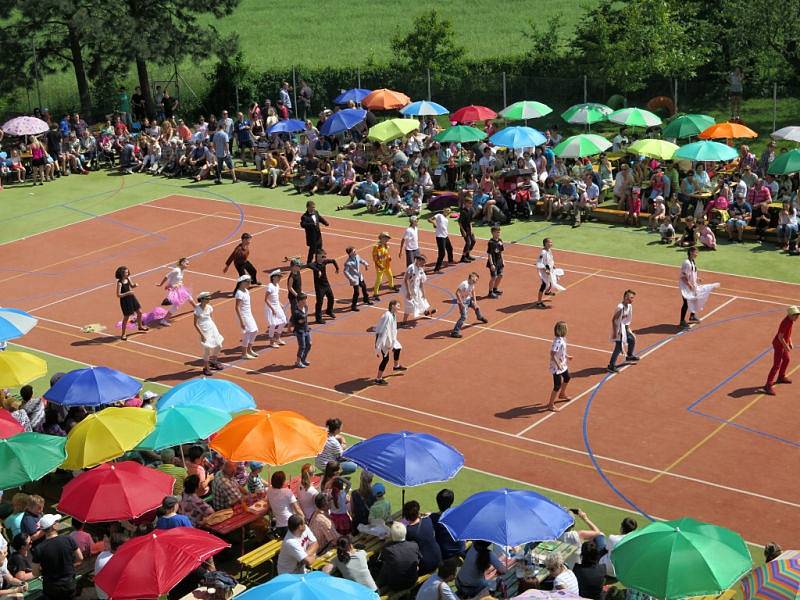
column 403, row 497
column 183, row 458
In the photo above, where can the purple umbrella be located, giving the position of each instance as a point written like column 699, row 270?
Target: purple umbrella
column 25, row 126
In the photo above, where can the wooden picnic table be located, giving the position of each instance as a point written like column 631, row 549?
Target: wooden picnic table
column 523, row 574
column 239, row 520
column 204, row 593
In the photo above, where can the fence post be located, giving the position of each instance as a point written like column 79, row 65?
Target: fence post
column 429, row 85
column 505, row 99
column 585, row 90
column 294, row 89
column 774, row 104
column 358, row 74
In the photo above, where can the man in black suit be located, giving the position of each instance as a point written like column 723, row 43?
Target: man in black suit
column 310, row 221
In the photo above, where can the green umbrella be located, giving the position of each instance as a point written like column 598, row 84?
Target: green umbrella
column 788, row 162
column 634, row 117
column 183, row 424
column 525, row 109
column 653, row 148
column 705, row 150
column 687, row 126
column 29, row 456
column 585, row 144
column 682, row 558
column 586, row 114
column 460, row 133
column 393, row 129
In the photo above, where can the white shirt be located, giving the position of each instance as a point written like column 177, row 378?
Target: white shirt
column 175, row 277
column 467, row 290
column 101, row 561
column 411, row 237
column 306, row 500
column 689, row 273
column 293, row 551
column 243, row 296
column 545, row 260
column 605, row 560
column 740, row 190
column 566, row 581
column 440, row 225
column 332, row 450
column 280, row 504
column 558, row 358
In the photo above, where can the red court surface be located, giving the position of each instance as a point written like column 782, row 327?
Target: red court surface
column 683, row 432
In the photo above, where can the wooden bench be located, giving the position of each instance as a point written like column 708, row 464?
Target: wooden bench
column 250, row 563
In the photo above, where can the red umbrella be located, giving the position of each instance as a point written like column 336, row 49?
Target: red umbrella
column 9, row 426
column 115, row 491
column 151, row 565
column 472, row 113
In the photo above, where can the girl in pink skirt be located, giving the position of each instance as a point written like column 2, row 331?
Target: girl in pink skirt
column 707, row 237
column 177, row 293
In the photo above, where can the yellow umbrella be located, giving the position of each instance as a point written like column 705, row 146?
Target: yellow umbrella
column 392, row 129
column 107, row 435
column 19, row 368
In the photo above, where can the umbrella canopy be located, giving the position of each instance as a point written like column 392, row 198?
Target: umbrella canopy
column 586, row 114
column 25, row 126
column 213, row 393
column 384, row 99
column 776, row 580
column 472, row 113
column 311, row 586
column 460, row 134
column 354, row 95
column 19, row 368
column 9, row 426
column 115, row 491
column 386, row 131
column 406, row 458
column 106, row 435
column 706, row 150
column 728, row 131
column 343, row 120
column 635, row 117
column 676, row 559
column 585, row 144
column 423, row 108
column 653, row 148
column 92, row 386
column 506, row 517
column 29, row 456
column 788, row 162
column 518, row 137
column 272, row 437
column 687, row 126
column 790, row 134
column 287, row 126
column 525, row 109
column 151, row 565
column 15, row 323
column 183, row 424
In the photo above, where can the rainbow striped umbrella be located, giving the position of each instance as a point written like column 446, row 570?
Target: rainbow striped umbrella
column 776, row 580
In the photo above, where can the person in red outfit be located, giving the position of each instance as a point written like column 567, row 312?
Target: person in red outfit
column 782, row 344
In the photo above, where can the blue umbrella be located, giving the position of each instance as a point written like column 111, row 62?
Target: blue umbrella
column 518, row 137
column 507, row 518
column 355, row 95
column 423, row 108
column 407, row 459
column 287, row 126
column 93, row 386
column 15, row 323
column 343, row 120
column 311, row 586
column 216, row 393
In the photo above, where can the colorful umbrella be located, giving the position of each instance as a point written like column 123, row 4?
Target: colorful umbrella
column 151, row 565
column 28, row 457
column 652, row 148
column 115, row 491
column 677, row 559
column 25, row 126
column 311, row 586
column 524, row 110
column 343, row 120
column 586, row 114
column 776, row 580
column 790, row 134
column 272, row 437
column 92, row 386
column 214, row 393
column 19, row 368
column 15, row 323
column 518, row 137
column 705, row 150
column 727, row 131
column 393, row 129
column 460, row 134
column 472, row 114
column 687, row 126
column 106, row 435
column 287, row 126
column 507, row 518
column 9, row 426
column 355, row 95
column 183, row 424
column 634, row 117
column 585, row 144
column 384, row 99
column 785, row 163
column 423, row 108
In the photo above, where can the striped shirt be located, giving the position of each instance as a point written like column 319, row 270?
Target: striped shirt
column 331, row 451
column 179, row 473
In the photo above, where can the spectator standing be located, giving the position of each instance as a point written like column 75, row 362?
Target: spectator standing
column 735, row 91
column 57, row 556
column 283, row 96
column 222, row 153
column 137, row 105
column 306, row 94
column 124, row 106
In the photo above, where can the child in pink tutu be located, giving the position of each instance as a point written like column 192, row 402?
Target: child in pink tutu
column 707, row 237
column 177, row 293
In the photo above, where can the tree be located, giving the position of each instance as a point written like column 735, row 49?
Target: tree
column 545, row 42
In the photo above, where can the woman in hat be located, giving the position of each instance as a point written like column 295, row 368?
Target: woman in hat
column 782, row 345
column 382, row 259
column 276, row 318
column 210, row 338
column 386, row 342
column 245, row 314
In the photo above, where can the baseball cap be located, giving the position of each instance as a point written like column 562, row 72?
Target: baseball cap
column 170, row 501
column 378, row 489
column 47, row 521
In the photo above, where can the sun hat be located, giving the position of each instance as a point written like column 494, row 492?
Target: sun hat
column 276, row 273
column 793, row 310
column 47, row 521
column 384, row 234
column 203, row 295
column 149, row 395
column 244, row 277
column 378, row 489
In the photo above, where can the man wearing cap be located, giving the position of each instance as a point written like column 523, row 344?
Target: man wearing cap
column 310, row 222
column 240, row 259
column 169, row 517
column 57, row 556
column 322, row 287
column 782, row 345
column 410, row 241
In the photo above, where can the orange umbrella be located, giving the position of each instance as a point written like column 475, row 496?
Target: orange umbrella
column 272, row 437
column 728, row 131
column 385, row 100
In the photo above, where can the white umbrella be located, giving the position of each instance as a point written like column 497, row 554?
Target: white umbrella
column 790, row 134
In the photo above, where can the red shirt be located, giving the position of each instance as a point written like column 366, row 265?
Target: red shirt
column 784, row 331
